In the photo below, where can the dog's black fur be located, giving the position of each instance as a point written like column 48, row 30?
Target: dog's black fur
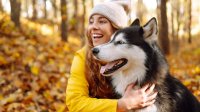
column 171, row 92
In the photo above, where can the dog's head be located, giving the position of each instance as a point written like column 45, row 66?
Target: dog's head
column 127, row 48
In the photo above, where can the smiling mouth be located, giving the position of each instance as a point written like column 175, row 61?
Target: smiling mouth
column 95, row 36
column 113, row 66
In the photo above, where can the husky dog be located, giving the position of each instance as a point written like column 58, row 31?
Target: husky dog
column 133, row 56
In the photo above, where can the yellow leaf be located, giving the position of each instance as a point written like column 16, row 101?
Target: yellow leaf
column 2, row 60
column 9, row 99
column 187, row 82
column 51, row 61
column 16, row 55
column 62, row 67
column 1, row 96
column 197, row 78
column 35, row 70
column 2, row 41
column 67, row 75
column 60, row 107
column 197, row 69
column 66, row 47
column 74, row 40
column 28, row 60
column 47, row 95
column 41, row 57
column 58, row 84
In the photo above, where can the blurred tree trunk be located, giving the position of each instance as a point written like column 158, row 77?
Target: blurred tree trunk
column 26, row 7
column 53, row 2
column 63, row 5
column 139, row 12
column 34, row 17
column 45, row 9
column 172, row 21
column 176, row 22
column 92, row 2
column 1, row 6
column 158, row 14
column 163, row 34
column 129, row 12
column 15, row 11
column 190, row 21
column 83, row 22
column 75, row 15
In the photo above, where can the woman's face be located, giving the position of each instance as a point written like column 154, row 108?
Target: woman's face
column 100, row 29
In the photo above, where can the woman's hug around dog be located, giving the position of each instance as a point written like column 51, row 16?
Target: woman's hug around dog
column 133, row 56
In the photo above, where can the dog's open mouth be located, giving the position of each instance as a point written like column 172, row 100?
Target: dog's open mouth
column 111, row 67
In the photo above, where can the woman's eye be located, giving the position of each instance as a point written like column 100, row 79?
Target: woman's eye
column 102, row 21
column 90, row 22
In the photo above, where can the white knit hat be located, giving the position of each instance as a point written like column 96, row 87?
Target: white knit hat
column 114, row 11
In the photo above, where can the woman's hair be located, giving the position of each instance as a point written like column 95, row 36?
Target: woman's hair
column 99, row 85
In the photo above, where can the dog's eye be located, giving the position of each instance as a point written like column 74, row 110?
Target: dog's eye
column 119, row 42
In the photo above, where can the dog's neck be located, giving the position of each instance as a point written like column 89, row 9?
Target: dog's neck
column 137, row 74
column 123, row 78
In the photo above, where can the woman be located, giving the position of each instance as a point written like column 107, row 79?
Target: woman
column 88, row 90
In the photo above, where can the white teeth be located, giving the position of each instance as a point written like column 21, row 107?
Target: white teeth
column 97, row 35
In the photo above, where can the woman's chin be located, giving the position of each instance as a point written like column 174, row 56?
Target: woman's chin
column 96, row 43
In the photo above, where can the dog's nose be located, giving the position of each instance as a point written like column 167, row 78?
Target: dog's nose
column 95, row 51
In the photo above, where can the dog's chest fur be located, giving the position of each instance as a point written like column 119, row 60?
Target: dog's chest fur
column 121, row 81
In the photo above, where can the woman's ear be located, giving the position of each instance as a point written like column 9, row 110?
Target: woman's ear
column 136, row 22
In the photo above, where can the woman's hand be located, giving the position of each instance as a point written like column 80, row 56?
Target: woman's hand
column 135, row 99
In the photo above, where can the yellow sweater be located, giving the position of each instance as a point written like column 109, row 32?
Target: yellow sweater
column 77, row 93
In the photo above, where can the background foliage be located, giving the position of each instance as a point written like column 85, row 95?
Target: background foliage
column 35, row 60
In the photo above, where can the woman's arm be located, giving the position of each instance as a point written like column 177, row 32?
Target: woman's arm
column 77, row 98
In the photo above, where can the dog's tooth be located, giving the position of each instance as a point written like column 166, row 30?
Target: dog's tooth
column 106, row 70
column 116, row 64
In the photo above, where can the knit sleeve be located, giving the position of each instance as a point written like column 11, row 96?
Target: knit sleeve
column 77, row 93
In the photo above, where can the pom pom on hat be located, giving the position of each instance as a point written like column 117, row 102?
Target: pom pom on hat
column 114, row 10
column 126, row 4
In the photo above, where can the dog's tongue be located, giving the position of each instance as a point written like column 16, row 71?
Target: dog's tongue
column 107, row 66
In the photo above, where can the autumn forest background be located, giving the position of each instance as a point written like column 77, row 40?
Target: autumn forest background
column 38, row 39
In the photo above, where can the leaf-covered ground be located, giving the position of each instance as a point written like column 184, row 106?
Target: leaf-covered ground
column 185, row 65
column 34, row 68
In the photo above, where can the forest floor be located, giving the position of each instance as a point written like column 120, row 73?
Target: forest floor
column 35, row 65
column 185, row 65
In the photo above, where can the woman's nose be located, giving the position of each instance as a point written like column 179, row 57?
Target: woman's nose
column 95, row 25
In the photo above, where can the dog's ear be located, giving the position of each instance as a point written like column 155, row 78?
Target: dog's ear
column 136, row 22
column 150, row 30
